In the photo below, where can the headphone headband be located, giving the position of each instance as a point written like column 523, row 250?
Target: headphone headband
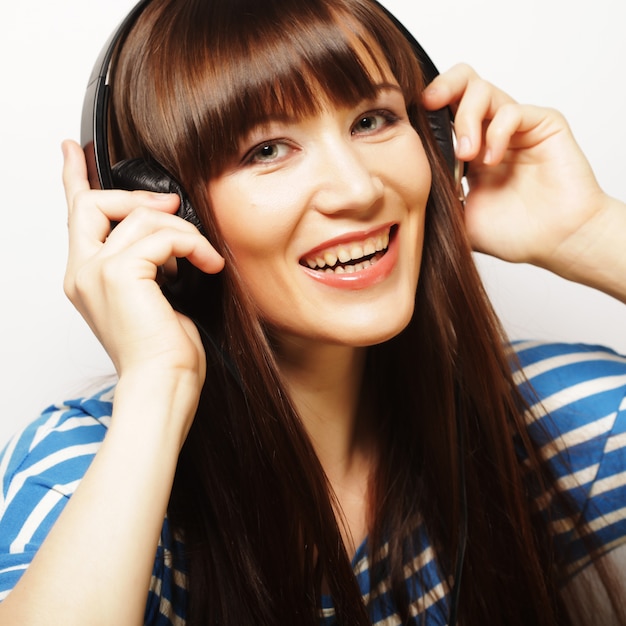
column 94, row 120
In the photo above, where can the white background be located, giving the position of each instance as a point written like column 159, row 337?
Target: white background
column 555, row 52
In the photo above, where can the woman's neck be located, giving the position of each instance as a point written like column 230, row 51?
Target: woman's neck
column 325, row 384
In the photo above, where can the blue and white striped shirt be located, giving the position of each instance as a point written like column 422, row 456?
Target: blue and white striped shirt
column 583, row 388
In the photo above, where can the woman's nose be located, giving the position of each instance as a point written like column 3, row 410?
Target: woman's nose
column 346, row 179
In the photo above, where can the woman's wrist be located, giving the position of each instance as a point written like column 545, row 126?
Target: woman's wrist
column 155, row 403
column 596, row 254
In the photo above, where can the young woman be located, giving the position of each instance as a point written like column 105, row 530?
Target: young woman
column 341, row 434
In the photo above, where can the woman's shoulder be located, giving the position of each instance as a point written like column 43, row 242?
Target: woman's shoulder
column 589, row 381
column 577, row 418
column 50, row 455
column 540, row 357
column 55, row 449
column 576, row 394
column 65, row 431
column 40, row 468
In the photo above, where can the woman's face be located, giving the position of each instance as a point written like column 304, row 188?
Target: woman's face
column 325, row 219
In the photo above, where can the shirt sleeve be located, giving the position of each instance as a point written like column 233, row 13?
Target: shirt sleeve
column 40, row 468
column 577, row 395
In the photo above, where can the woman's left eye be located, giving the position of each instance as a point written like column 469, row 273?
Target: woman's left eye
column 372, row 122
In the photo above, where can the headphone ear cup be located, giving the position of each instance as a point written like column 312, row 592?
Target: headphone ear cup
column 443, row 129
column 186, row 291
column 133, row 174
column 441, row 125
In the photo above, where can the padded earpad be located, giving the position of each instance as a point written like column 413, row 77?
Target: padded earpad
column 441, row 124
column 189, row 291
column 134, row 174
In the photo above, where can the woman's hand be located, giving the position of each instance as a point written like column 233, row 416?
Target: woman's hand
column 111, row 276
column 532, row 194
column 99, row 555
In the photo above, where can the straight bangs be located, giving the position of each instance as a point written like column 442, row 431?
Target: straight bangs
column 243, row 62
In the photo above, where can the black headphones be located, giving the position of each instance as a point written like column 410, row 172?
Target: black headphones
column 94, row 124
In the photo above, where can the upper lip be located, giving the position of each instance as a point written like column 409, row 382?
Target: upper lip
column 348, row 247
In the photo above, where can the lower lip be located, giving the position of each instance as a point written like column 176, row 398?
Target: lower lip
column 364, row 278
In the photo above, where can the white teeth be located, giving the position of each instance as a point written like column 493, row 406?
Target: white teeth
column 330, row 259
column 343, row 254
column 356, row 251
column 350, row 269
column 369, row 247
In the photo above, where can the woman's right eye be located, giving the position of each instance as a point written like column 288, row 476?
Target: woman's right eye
column 267, row 153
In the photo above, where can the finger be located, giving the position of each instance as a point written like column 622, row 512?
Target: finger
column 91, row 212
column 473, row 100
column 475, row 106
column 144, row 222
column 152, row 251
column 74, row 171
column 141, row 225
column 447, row 88
column 498, row 135
column 89, row 220
column 116, row 204
column 516, row 126
column 141, row 222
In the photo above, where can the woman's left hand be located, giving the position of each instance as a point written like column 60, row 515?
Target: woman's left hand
column 532, row 196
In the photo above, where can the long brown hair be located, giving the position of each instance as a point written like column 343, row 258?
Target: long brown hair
column 250, row 499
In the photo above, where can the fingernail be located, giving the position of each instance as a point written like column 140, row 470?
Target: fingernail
column 488, row 157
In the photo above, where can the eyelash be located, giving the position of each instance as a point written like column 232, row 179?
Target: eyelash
column 388, row 117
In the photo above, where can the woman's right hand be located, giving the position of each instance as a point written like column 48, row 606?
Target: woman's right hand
column 111, row 275
column 95, row 564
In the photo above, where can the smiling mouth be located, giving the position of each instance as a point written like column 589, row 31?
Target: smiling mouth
column 351, row 257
